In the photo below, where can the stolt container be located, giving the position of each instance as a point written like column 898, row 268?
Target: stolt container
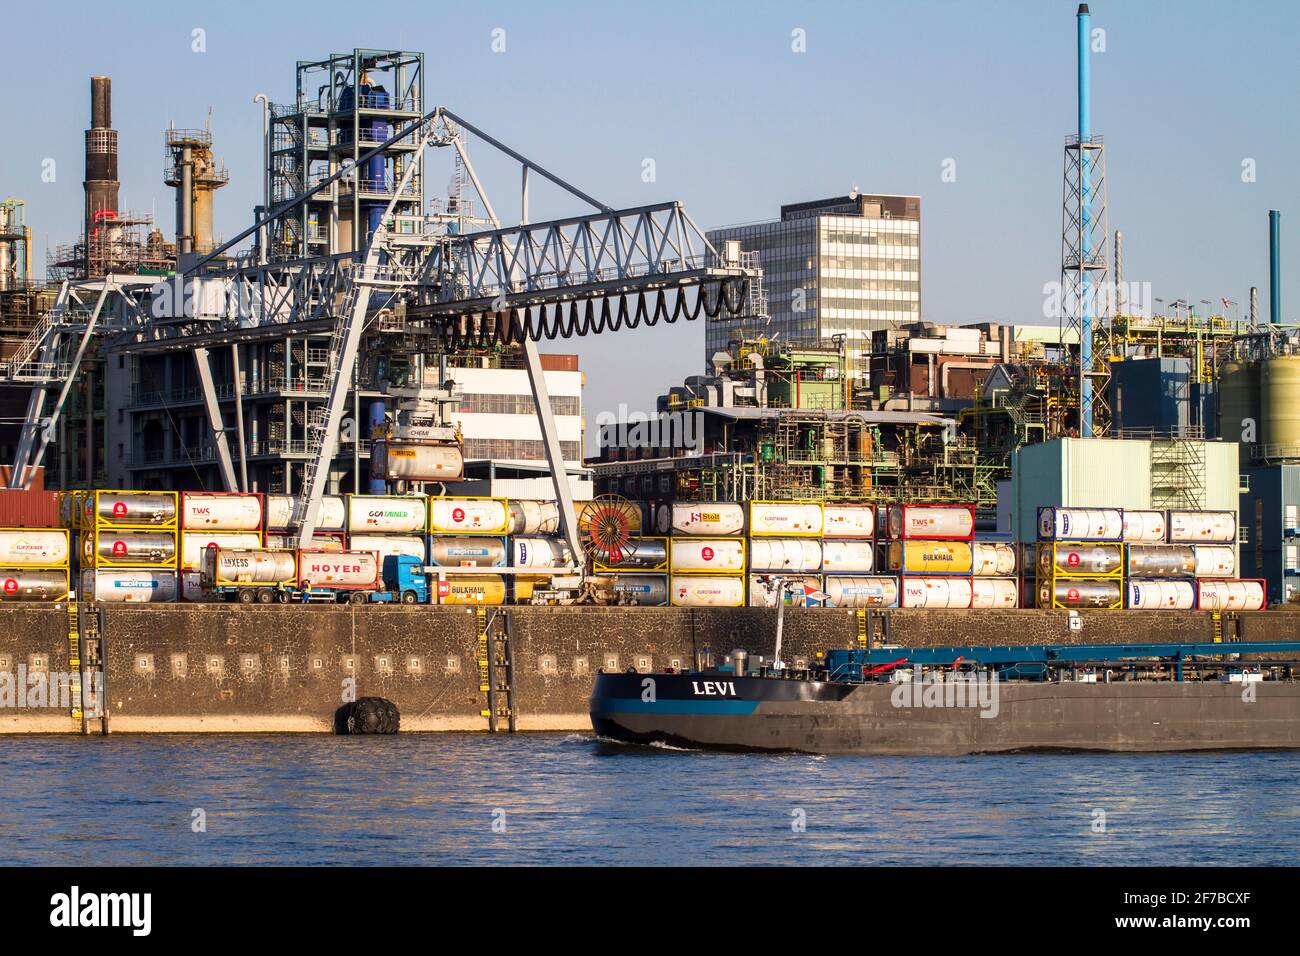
column 930, row 557
column 34, row 548
column 641, row 590
column 533, row 517
column 1080, row 593
column 109, row 547
column 541, row 553
column 1144, row 526
column 855, row 591
column 931, row 522
column 843, row 556
column 642, row 554
column 320, row 541
column 1215, row 561
column 33, row 584
column 472, row 590
column 707, row 555
column 350, row 570
column 1080, row 524
column 708, row 519
column 1202, row 527
column 1063, row 559
column 849, row 521
column 130, row 509
column 1242, row 594
column 995, row 593
column 1160, row 561
column 468, row 515
column 1154, row 594
column 785, row 554
column 193, row 543
column 993, row 559
column 387, row 514
column 467, row 551
column 697, row 590
column 938, row 592
column 134, row 587
column 785, row 518
column 387, row 545
column 229, row 566
column 213, row 511
column 332, row 515
column 416, row 461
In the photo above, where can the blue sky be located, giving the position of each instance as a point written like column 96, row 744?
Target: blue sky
column 738, row 123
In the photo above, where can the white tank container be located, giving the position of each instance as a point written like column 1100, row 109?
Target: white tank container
column 1144, row 526
column 1080, row 524
column 387, row 545
column 932, row 522
column 193, row 543
column 763, row 594
column 697, row 590
column 468, row 516
column 34, row 547
column 1152, row 594
column 784, row 518
column 704, row 518
column 993, row 559
column 1237, row 595
column 135, row 587
column 936, row 592
column 995, row 593
column 720, row 555
column 225, row 566
column 33, row 584
column 135, row 508
column 848, row 557
column 467, row 551
column 533, row 517
column 1202, row 527
column 386, row 514
column 321, row 541
column 192, row 588
column 391, row 461
column 785, row 554
column 346, row 570
column 331, row 517
column 849, row 521
column 202, row 511
column 128, row 548
column 540, row 553
column 1214, row 560
column 854, row 591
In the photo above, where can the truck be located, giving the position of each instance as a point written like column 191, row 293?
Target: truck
column 269, row 575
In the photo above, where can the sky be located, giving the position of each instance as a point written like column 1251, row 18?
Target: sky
column 1190, row 96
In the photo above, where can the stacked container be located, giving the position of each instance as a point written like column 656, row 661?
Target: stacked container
column 640, row 576
column 1079, row 561
column 34, row 564
column 331, row 523
column 227, row 519
column 130, row 546
column 706, row 554
column 1158, row 575
column 785, row 542
column 470, row 533
column 932, row 549
column 849, row 560
column 1212, row 536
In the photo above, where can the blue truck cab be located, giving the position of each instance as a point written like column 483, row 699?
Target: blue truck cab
column 404, row 581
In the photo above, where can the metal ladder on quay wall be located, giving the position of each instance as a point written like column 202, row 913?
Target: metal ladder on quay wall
column 496, row 665
column 86, row 687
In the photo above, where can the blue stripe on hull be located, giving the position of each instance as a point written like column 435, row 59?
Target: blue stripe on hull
column 627, row 705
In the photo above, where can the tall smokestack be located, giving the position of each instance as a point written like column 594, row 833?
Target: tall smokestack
column 1275, row 266
column 101, row 162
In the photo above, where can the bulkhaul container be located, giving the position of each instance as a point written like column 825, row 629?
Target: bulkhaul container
column 785, row 554
column 470, row 551
column 1080, row 524
column 717, row 555
column 849, row 521
column 763, row 590
column 136, row 509
column 332, row 515
column 193, row 543
column 1236, row 595
column 472, row 590
column 320, row 541
column 1081, row 559
column 106, row 546
column 995, row 593
column 1160, row 561
column 785, row 518
column 416, row 461
column 696, row 590
column 860, row 591
column 930, row 557
column 711, row 518
column 848, row 557
column 1202, row 527
column 1153, row 594
column 541, row 553
column 468, row 515
column 944, row 592
column 34, row 547
column 339, row 570
column 641, row 554
column 932, row 522
column 1215, row 560
column 1080, row 593
column 208, row 511
column 533, row 517
column 33, row 584
column 642, row 590
column 387, row 514
column 993, row 559
column 135, row 587
column 386, row 545
column 1144, row 526
column 226, row 566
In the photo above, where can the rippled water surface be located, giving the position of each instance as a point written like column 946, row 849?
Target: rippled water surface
column 567, row 799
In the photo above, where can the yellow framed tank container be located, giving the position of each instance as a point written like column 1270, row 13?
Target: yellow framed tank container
column 1080, row 559
column 146, row 510
column 452, row 514
column 129, row 548
column 35, row 584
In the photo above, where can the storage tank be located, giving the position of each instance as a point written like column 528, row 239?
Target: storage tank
column 1236, row 595
column 1160, row 561
column 764, row 594
column 1144, row 526
column 995, row 593
column 785, row 554
column 470, row 551
column 533, row 517
column 1239, row 403
column 390, row 461
column 784, row 518
column 1080, row 524
column 34, row 547
column 649, row 554
column 472, row 590
column 1080, row 593
column 468, row 515
column 193, row 543
column 332, row 515
column 848, row 557
column 388, row 514
column 946, row 592
column 993, row 559
column 320, row 541
column 1215, row 560
column 855, row 591
column 931, row 522
column 208, row 511
column 1279, row 397
column 1202, row 527
column 130, row 508
column 192, row 589
column 702, row 518
column 642, row 590
column 409, row 545
column 128, row 548
column 1081, row 559
column 931, row 557
column 1153, row 594
column 720, row 555
column 697, row 590
column 849, row 521
column 33, row 584
column 136, row 587
column 347, row 570
column 541, row 553
column 221, row 566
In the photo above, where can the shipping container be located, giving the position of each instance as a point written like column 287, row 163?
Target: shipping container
column 995, row 593
column 192, row 589
column 34, row 548
column 30, row 508
column 785, row 554
column 230, row 567
column 1202, row 527
column 849, row 521
column 707, row 555
column 416, row 461
column 320, row 541
column 549, row 553
column 1078, row 593
column 930, row 557
column 937, row 592
column 131, row 509
column 340, row 570
column 124, row 548
column 33, row 584
column 387, row 545
column 1214, row 561
column 1238, row 595
column 533, row 517
column 193, row 543
column 794, row 587
column 140, row 586
column 221, row 511
column 697, row 590
column 472, row 590
column 858, row 591
column 1080, row 559
column 931, row 522
column 1144, row 526
column 1153, row 594
column 332, row 515
column 469, row 515
column 993, row 559
column 848, row 557
column 785, row 518
column 1080, row 524
column 387, row 514
column 707, row 519
column 641, row 554
column 1160, row 561
column 468, row 551
column 642, row 590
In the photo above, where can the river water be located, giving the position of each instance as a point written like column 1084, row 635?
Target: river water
column 568, row 799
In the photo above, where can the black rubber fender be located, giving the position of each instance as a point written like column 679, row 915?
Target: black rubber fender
column 369, row 715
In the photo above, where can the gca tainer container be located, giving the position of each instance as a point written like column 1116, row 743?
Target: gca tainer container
column 33, row 584
column 932, row 522
column 785, row 518
column 1153, row 594
column 702, row 518
column 387, row 514
column 1238, row 595
column 855, row 591
column 785, row 554
column 716, row 555
column 693, row 590
column 1080, row 524
column 944, row 592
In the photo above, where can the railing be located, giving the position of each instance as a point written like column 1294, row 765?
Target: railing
column 226, row 390
column 273, row 448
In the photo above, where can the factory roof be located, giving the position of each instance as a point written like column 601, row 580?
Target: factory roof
column 872, row 417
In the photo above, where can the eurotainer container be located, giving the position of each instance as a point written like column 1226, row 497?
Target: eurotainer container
column 785, row 554
column 785, row 518
column 1080, row 524
column 390, row 514
column 34, row 547
column 221, row 511
column 1153, row 594
column 704, row 518
column 849, row 521
column 857, row 591
column 698, row 590
column 844, row 556
column 469, row 515
column 931, row 522
column 707, row 555
column 1242, row 594
column 935, row 592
